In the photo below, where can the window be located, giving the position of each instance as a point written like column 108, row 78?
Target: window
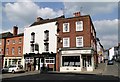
column 73, row 61
column 7, row 51
column 32, row 37
column 5, row 62
column 65, row 27
column 19, row 50
column 8, row 42
column 9, row 62
column 13, row 50
column 36, row 47
column 46, row 46
column 79, row 41
column 13, row 41
column 32, row 47
column 20, row 40
column 0, row 42
column 46, row 34
column 66, row 42
column 50, row 60
column 79, row 26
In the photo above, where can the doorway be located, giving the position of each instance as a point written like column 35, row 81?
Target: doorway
column 84, row 62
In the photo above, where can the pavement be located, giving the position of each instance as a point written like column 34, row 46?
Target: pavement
column 98, row 71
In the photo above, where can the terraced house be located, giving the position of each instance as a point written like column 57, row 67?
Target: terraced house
column 76, row 44
column 13, row 51
column 3, row 37
column 62, row 44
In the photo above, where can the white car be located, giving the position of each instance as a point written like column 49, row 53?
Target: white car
column 15, row 68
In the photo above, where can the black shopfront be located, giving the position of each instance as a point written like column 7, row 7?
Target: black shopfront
column 36, row 61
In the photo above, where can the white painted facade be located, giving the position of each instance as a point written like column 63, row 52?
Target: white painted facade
column 39, row 37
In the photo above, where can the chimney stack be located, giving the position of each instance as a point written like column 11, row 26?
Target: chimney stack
column 39, row 19
column 77, row 14
column 15, row 30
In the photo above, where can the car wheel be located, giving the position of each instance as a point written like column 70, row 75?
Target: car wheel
column 13, row 71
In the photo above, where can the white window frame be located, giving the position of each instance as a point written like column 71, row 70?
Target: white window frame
column 77, row 45
column 19, row 50
column 68, row 42
column 50, row 59
column 13, row 41
column 80, row 26
column 20, row 40
column 64, row 27
column 7, row 51
column 13, row 50
column 8, row 42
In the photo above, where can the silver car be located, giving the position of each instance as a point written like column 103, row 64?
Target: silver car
column 15, row 68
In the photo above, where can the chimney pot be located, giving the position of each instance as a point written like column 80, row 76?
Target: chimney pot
column 15, row 30
column 39, row 19
column 76, row 14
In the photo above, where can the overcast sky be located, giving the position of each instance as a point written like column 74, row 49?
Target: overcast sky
column 104, row 15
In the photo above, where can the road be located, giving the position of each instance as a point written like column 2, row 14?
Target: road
column 110, row 73
column 113, row 70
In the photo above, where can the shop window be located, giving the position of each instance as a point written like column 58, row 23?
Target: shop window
column 73, row 61
column 50, row 60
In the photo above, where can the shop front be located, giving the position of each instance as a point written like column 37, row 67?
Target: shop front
column 37, row 61
column 76, row 61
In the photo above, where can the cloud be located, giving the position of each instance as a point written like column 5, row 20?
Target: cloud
column 107, row 31
column 26, row 12
column 91, row 8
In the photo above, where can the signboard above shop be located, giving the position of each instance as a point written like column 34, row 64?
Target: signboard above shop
column 77, row 52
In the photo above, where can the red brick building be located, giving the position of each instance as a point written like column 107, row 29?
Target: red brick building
column 3, row 37
column 14, row 48
column 76, row 47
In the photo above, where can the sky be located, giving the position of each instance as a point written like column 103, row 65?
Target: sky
column 104, row 15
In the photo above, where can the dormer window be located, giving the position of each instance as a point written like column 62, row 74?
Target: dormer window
column 32, row 37
column 46, row 35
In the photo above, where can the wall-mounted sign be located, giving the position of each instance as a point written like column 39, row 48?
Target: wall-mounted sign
column 77, row 52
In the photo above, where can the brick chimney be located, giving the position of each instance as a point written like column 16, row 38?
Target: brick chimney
column 39, row 19
column 15, row 30
column 76, row 14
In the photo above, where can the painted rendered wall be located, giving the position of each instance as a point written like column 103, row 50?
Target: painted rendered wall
column 39, row 37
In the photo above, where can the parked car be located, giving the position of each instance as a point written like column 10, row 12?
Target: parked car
column 5, row 69
column 110, row 62
column 15, row 68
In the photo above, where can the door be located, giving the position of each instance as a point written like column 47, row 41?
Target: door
column 84, row 62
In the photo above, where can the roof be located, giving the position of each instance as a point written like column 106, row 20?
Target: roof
column 5, row 35
column 46, row 21
column 9, row 35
